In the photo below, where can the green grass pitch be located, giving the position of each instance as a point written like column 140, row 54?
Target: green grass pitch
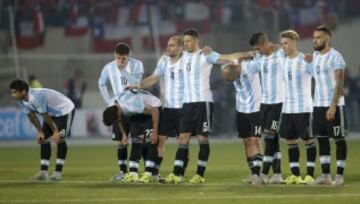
column 89, row 167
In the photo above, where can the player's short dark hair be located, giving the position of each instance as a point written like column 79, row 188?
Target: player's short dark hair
column 324, row 29
column 122, row 49
column 19, row 85
column 258, row 38
column 192, row 32
column 110, row 115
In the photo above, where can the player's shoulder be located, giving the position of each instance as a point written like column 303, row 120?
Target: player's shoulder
column 110, row 64
column 335, row 53
column 134, row 61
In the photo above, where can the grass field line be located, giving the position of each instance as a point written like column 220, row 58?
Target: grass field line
column 199, row 197
column 85, row 182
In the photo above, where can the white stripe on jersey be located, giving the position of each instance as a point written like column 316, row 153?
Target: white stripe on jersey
column 297, row 85
column 272, row 85
column 173, row 76
column 324, row 74
column 197, row 69
column 119, row 79
column 248, row 90
column 43, row 100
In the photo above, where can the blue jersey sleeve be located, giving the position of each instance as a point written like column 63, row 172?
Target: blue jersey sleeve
column 138, row 72
column 252, row 67
column 212, row 58
column 160, row 68
column 104, row 77
column 338, row 62
column 40, row 103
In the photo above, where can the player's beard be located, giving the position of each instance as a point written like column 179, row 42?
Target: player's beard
column 320, row 47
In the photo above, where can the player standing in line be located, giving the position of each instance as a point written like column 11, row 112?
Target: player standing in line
column 119, row 73
column 272, row 90
column 297, row 108
column 329, row 117
column 57, row 111
column 170, row 69
column 248, row 95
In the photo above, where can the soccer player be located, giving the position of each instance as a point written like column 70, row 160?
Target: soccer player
column 272, row 97
column 297, row 107
column 248, row 95
column 329, row 117
column 135, row 104
column 119, row 73
column 170, row 69
column 57, row 112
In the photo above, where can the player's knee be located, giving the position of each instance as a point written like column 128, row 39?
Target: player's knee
column 292, row 142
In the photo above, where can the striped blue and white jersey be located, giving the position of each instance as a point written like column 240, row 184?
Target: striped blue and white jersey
column 42, row 100
column 173, row 75
column 272, row 83
column 324, row 74
column 248, row 90
column 133, row 102
column 119, row 80
column 197, row 76
column 297, row 75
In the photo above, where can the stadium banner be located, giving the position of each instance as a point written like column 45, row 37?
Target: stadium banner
column 15, row 125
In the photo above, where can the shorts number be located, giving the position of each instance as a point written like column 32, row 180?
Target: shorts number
column 336, row 130
column 257, row 130
column 205, row 127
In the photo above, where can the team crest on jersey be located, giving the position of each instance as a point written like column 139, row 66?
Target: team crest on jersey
column 188, row 67
column 266, row 69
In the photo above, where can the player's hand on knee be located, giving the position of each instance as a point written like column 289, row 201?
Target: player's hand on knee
column 40, row 138
column 154, row 137
column 56, row 136
column 124, row 139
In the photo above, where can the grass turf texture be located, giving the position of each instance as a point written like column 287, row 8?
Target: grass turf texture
column 88, row 169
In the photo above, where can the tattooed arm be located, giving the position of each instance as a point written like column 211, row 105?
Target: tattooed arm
column 338, row 92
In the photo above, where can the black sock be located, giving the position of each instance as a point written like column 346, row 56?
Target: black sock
column 186, row 161
column 45, row 153
column 61, row 156
column 269, row 152
column 203, row 157
column 122, row 157
column 181, row 156
column 341, row 153
column 311, row 158
column 150, row 159
column 324, row 151
column 144, row 151
column 135, row 156
column 294, row 155
column 276, row 165
column 254, row 163
column 158, row 162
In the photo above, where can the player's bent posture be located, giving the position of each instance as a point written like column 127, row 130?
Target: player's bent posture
column 297, row 108
column 137, row 105
column 170, row 69
column 119, row 73
column 329, row 117
column 272, row 95
column 248, row 95
column 57, row 111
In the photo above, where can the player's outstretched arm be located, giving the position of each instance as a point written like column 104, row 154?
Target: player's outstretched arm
column 56, row 134
column 154, row 112
column 229, row 58
column 146, row 83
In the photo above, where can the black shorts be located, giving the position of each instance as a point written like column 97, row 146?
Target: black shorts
column 117, row 134
column 296, row 125
column 270, row 116
column 169, row 122
column 63, row 123
column 196, row 118
column 323, row 127
column 141, row 126
column 248, row 124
